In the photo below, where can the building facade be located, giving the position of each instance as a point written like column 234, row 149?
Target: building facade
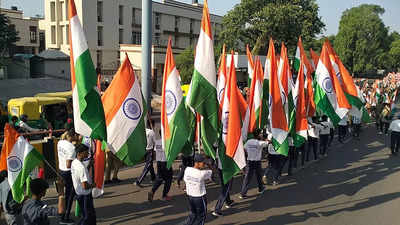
column 112, row 25
column 28, row 31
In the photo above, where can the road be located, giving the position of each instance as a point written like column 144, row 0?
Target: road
column 357, row 184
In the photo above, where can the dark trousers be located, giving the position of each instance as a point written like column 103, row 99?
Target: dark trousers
column 302, row 150
column 356, row 129
column 163, row 175
column 187, row 161
column 251, row 168
column 224, row 196
column 395, row 142
column 312, row 144
column 87, row 207
column 385, row 127
column 293, row 155
column 198, row 210
column 342, row 132
column 148, row 167
column 69, row 192
column 323, row 138
column 272, row 172
column 331, row 135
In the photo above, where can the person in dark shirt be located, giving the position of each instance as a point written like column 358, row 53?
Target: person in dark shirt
column 35, row 211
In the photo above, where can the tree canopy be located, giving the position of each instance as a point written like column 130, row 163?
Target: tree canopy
column 253, row 22
column 8, row 37
column 185, row 64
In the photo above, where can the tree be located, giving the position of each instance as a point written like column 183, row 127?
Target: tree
column 316, row 44
column 8, row 37
column 185, row 64
column 253, row 22
column 394, row 55
column 362, row 42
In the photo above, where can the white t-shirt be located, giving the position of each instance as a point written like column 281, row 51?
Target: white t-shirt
column 194, row 180
column 66, row 151
column 151, row 139
column 79, row 174
column 314, row 129
column 254, row 149
column 326, row 128
column 271, row 149
column 343, row 122
column 395, row 126
column 160, row 153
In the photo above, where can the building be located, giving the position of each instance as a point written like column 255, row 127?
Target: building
column 115, row 26
column 51, row 63
column 28, row 31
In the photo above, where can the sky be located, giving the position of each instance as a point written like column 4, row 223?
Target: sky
column 330, row 10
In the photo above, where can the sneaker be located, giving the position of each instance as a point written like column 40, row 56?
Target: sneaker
column 264, row 179
column 216, row 214
column 380, row 132
column 242, row 196
column 167, row 198
column 116, row 180
column 67, row 221
column 229, row 205
column 261, row 191
column 137, row 184
column 150, row 196
column 107, row 182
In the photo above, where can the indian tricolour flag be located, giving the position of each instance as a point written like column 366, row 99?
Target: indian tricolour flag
column 125, row 113
column 255, row 99
column 250, row 66
column 19, row 158
column 88, row 111
column 221, row 82
column 175, row 125
column 277, row 115
column 301, row 123
column 202, row 95
column 328, row 95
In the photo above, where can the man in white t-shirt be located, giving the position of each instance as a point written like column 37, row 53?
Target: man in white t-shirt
column 394, row 128
column 163, row 173
column 83, row 186
column 148, row 166
column 324, row 135
column 66, row 154
column 342, row 128
column 313, row 135
column 253, row 148
column 196, row 190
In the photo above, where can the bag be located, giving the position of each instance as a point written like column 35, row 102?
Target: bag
column 13, row 207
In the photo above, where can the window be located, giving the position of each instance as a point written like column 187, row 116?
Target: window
column 52, row 11
column 158, row 20
column 133, row 16
column 157, row 38
column 66, row 10
column 121, row 36
column 136, row 38
column 67, row 33
column 191, row 25
column 99, row 11
column 177, row 20
column 121, row 15
column 53, row 35
column 100, row 36
column 62, row 12
column 176, row 41
column 61, row 34
column 33, row 34
column 99, row 58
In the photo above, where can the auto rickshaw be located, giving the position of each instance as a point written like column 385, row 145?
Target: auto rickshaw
column 62, row 94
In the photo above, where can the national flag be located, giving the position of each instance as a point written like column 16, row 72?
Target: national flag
column 221, row 82
column 175, row 124
column 19, row 158
column 250, row 66
column 301, row 124
column 328, row 95
column 277, row 115
column 99, row 166
column 202, row 96
column 315, row 59
column 255, row 98
column 88, row 111
column 125, row 111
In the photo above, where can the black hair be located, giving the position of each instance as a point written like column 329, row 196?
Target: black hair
column 38, row 186
column 81, row 148
column 24, row 117
column 14, row 118
column 256, row 132
column 3, row 175
column 324, row 118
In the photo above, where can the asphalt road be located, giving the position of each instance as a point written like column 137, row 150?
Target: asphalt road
column 357, row 184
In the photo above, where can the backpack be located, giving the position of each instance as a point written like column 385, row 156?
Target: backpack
column 13, row 207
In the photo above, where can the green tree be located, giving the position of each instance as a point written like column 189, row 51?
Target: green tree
column 362, row 41
column 8, row 37
column 253, row 22
column 394, row 54
column 185, row 64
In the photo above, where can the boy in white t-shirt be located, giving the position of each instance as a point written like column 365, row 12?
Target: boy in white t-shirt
column 196, row 190
column 83, row 186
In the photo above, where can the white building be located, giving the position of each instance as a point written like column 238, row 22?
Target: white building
column 114, row 26
column 28, row 31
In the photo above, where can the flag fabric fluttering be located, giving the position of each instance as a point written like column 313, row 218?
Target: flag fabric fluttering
column 202, row 96
column 89, row 117
column 314, row 59
column 255, row 98
column 277, row 115
column 99, row 166
column 125, row 112
column 175, row 124
column 301, row 124
column 250, row 66
column 19, row 158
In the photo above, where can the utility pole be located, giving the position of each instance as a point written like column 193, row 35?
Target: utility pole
column 146, row 49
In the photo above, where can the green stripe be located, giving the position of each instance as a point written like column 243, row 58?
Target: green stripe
column 298, row 140
column 31, row 161
column 203, row 99
column 90, row 105
column 322, row 103
column 354, row 100
column 133, row 151
column 180, row 130
column 296, row 64
column 283, row 148
column 365, row 116
column 229, row 167
column 292, row 115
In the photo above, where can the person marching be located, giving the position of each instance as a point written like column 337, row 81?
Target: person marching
column 113, row 164
column 187, row 160
column 83, row 186
column 196, row 191
column 163, row 173
column 148, row 166
column 324, row 135
column 394, row 128
column 313, row 136
column 342, row 128
column 253, row 148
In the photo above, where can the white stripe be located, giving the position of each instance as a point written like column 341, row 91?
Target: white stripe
column 121, row 127
column 302, row 133
column 239, row 157
column 257, row 95
column 204, row 61
column 267, row 70
column 81, row 127
column 79, row 43
column 245, row 125
column 220, row 86
column 279, row 134
column 174, row 85
column 20, row 150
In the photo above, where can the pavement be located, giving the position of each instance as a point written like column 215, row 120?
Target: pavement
column 357, row 184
